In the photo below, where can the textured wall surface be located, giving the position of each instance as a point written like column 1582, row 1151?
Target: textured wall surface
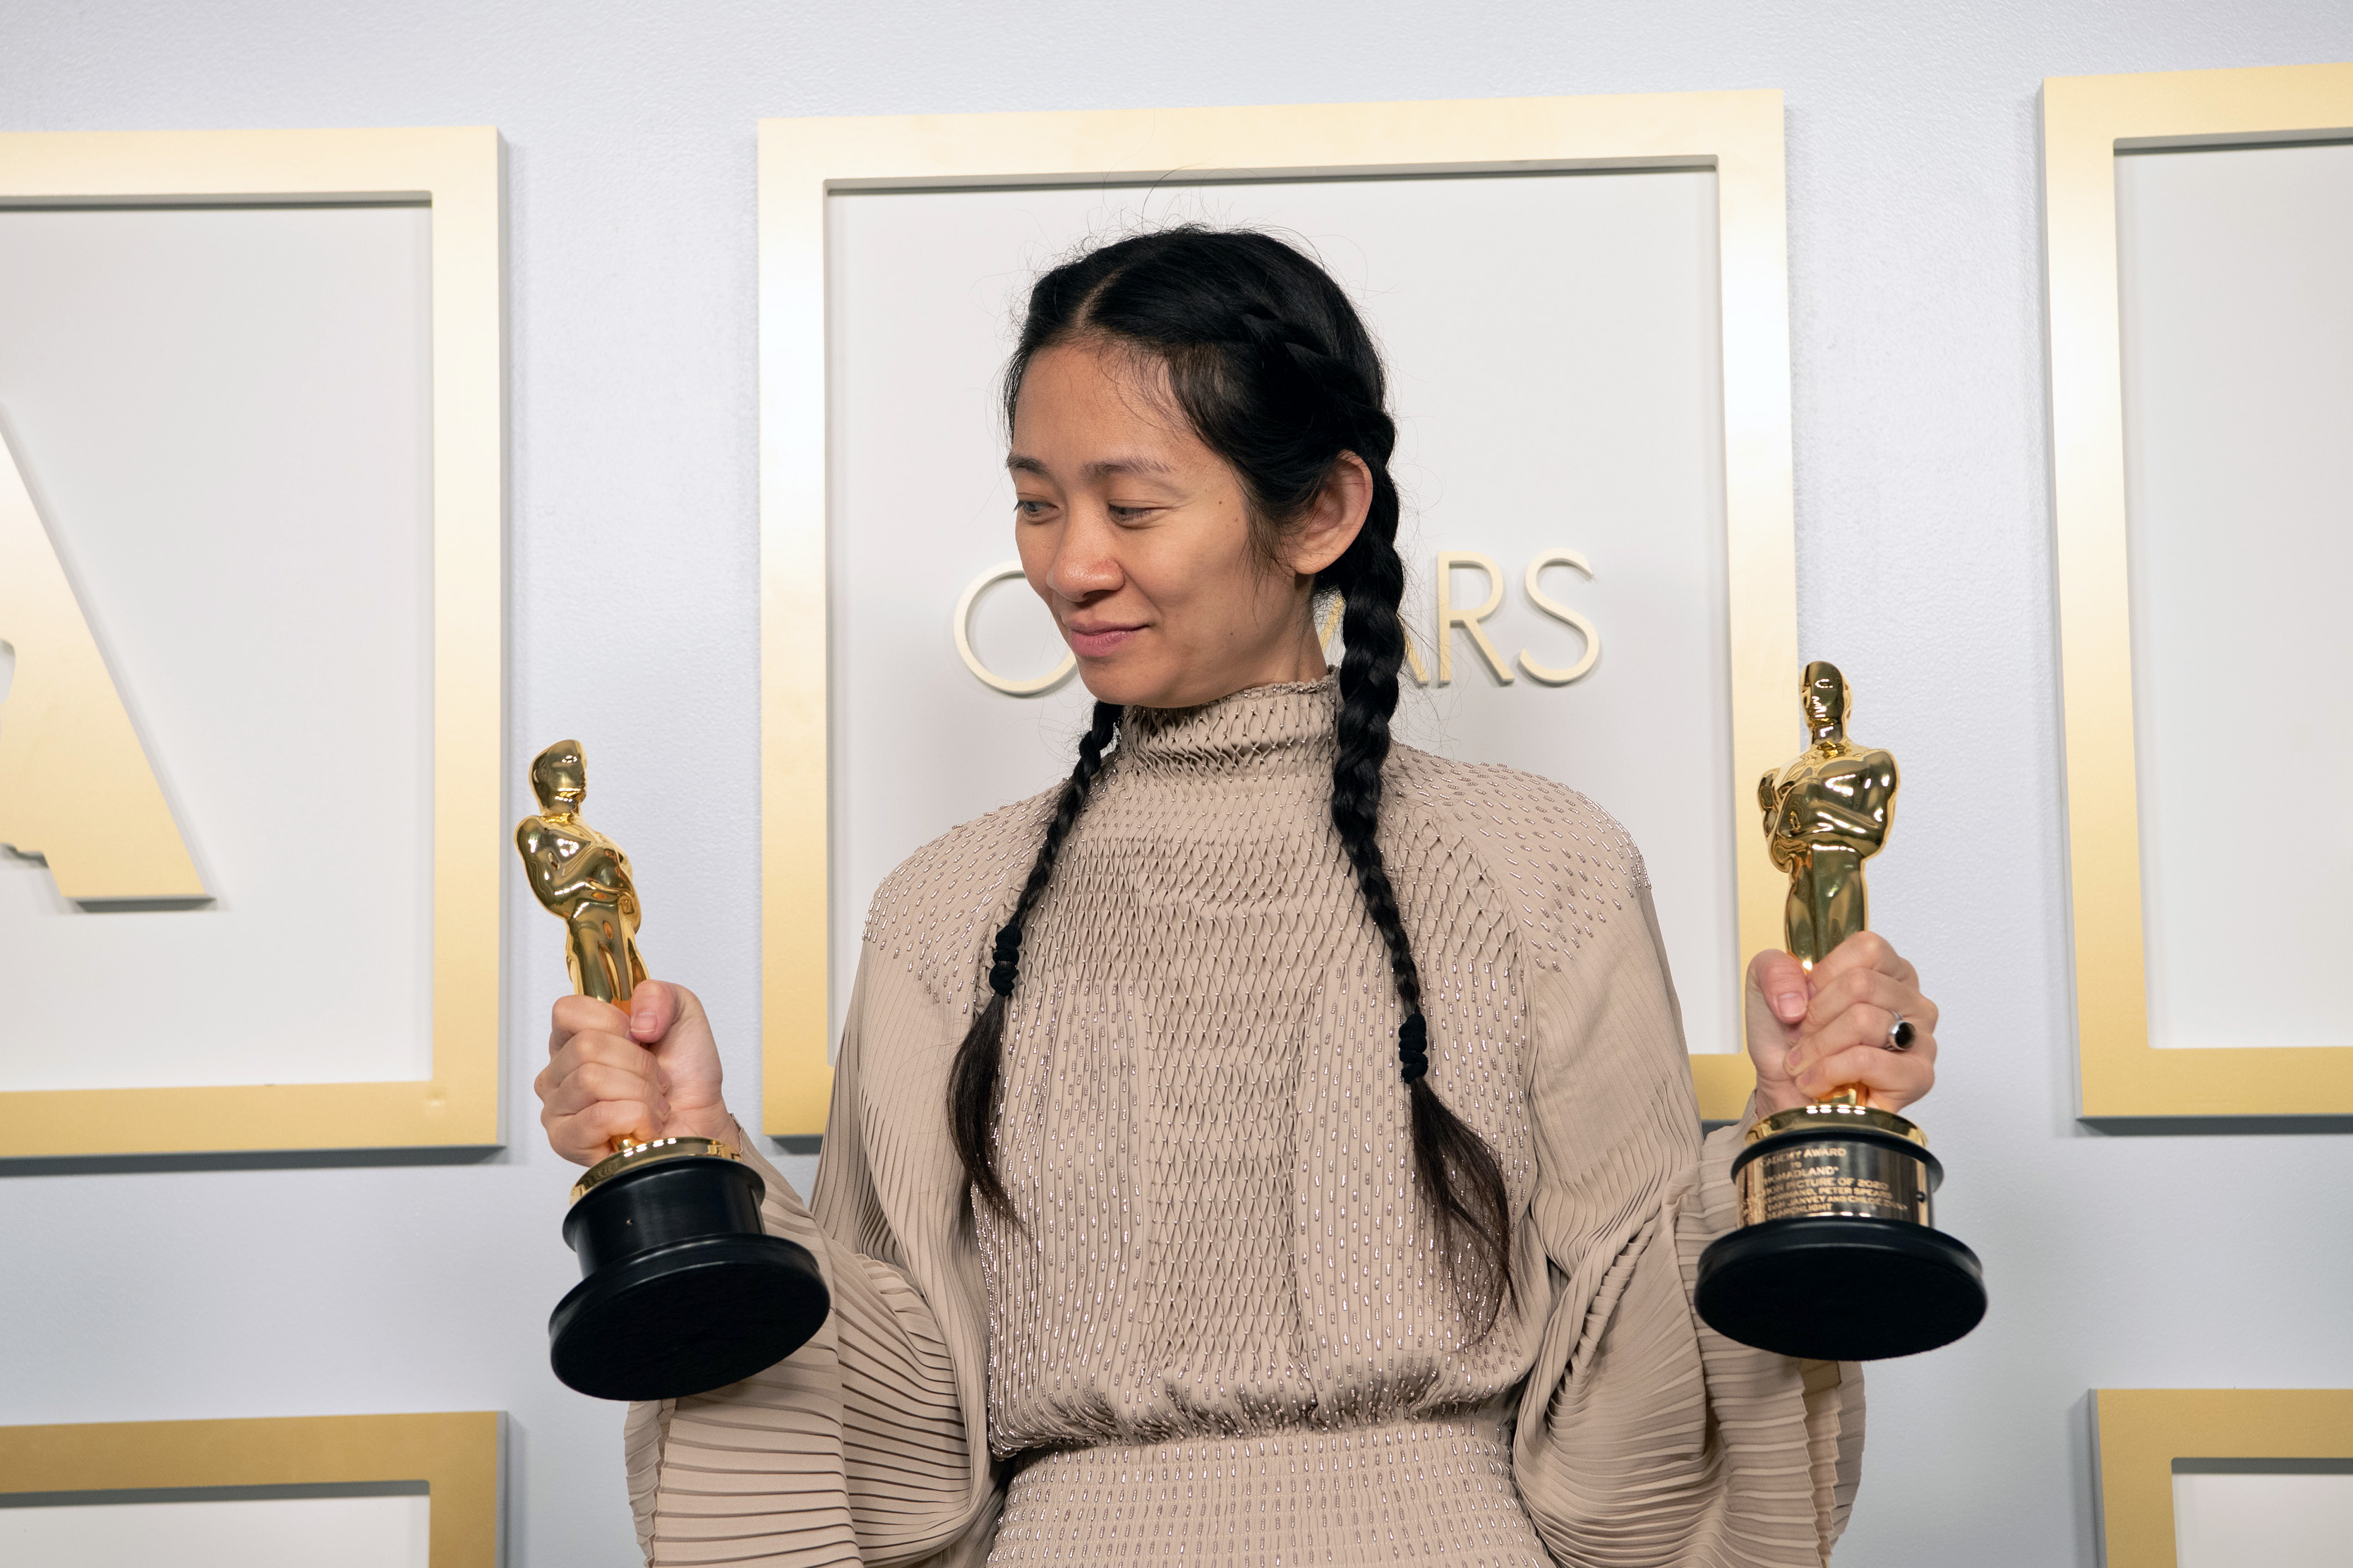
column 1924, row 568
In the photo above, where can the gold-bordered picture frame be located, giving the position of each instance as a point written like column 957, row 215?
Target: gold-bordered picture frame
column 1737, row 134
column 455, row 1454
column 2139, row 1433
column 459, row 171
column 2086, row 122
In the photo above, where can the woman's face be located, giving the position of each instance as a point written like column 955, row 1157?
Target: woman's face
column 1139, row 538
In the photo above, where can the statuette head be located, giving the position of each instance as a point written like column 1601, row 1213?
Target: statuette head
column 1827, row 698
column 560, row 778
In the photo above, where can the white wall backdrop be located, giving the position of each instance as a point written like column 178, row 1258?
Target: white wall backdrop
column 225, row 418
column 2238, row 362
column 2257, row 1520
column 236, row 1533
column 137, row 1292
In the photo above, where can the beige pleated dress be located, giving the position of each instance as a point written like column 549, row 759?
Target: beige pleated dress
column 1220, row 1334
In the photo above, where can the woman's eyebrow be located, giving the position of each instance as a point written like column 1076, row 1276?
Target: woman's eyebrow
column 1112, row 468
column 1109, row 468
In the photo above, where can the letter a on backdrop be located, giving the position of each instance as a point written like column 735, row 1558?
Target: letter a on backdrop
column 76, row 786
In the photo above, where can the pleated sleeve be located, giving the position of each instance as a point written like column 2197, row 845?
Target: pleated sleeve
column 1644, row 1438
column 859, row 1447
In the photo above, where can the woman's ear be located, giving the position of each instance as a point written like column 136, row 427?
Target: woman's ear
column 1334, row 520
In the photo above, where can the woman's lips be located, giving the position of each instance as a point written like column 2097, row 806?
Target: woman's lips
column 1103, row 640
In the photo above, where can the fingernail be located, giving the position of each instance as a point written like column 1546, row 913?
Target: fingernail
column 643, row 1024
column 1790, row 1005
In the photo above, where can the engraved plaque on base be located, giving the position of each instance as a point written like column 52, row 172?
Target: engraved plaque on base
column 1837, row 1256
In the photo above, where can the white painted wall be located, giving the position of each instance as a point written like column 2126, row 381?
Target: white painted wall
column 2238, row 335
column 224, row 417
column 2235, row 1520
column 1925, row 570
column 228, row 1532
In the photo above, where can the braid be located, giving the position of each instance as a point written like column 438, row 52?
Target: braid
column 972, row 1092
column 1468, row 1200
column 1464, row 1180
column 1277, row 375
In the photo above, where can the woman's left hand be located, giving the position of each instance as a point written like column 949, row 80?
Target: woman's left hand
column 1813, row 1034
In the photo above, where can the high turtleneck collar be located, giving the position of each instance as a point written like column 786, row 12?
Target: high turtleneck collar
column 1263, row 729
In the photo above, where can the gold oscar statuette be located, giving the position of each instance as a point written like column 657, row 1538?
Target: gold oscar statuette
column 1837, row 1256
column 682, row 1292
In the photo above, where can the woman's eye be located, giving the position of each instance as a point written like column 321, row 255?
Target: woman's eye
column 1033, row 509
column 1132, row 513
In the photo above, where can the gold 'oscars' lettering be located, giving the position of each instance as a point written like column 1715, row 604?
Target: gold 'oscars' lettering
column 1563, row 614
column 76, row 786
column 1002, row 573
column 1449, row 617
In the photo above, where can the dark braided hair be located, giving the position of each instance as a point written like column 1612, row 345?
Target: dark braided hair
column 972, row 1082
column 1275, row 371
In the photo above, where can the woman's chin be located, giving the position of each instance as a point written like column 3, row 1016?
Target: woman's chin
column 1106, row 682
column 1130, row 676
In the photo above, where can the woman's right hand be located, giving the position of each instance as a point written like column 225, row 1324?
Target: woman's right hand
column 650, row 1072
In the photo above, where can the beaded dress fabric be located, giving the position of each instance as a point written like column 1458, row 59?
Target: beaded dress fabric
column 1220, row 1332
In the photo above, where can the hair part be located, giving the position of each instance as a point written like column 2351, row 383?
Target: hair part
column 1268, row 362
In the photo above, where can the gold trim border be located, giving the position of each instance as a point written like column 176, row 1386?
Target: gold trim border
column 2084, row 121
column 1739, row 134
column 460, row 172
column 456, row 1455
column 2137, row 1433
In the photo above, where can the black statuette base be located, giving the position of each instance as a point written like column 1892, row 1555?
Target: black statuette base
column 1837, row 1288
column 684, row 1293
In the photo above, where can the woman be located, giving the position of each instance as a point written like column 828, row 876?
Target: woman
column 1273, row 1146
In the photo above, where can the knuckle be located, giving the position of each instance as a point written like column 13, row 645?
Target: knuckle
column 611, row 1116
column 605, row 1052
column 608, row 1082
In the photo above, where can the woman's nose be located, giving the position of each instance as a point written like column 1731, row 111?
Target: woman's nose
column 1082, row 568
